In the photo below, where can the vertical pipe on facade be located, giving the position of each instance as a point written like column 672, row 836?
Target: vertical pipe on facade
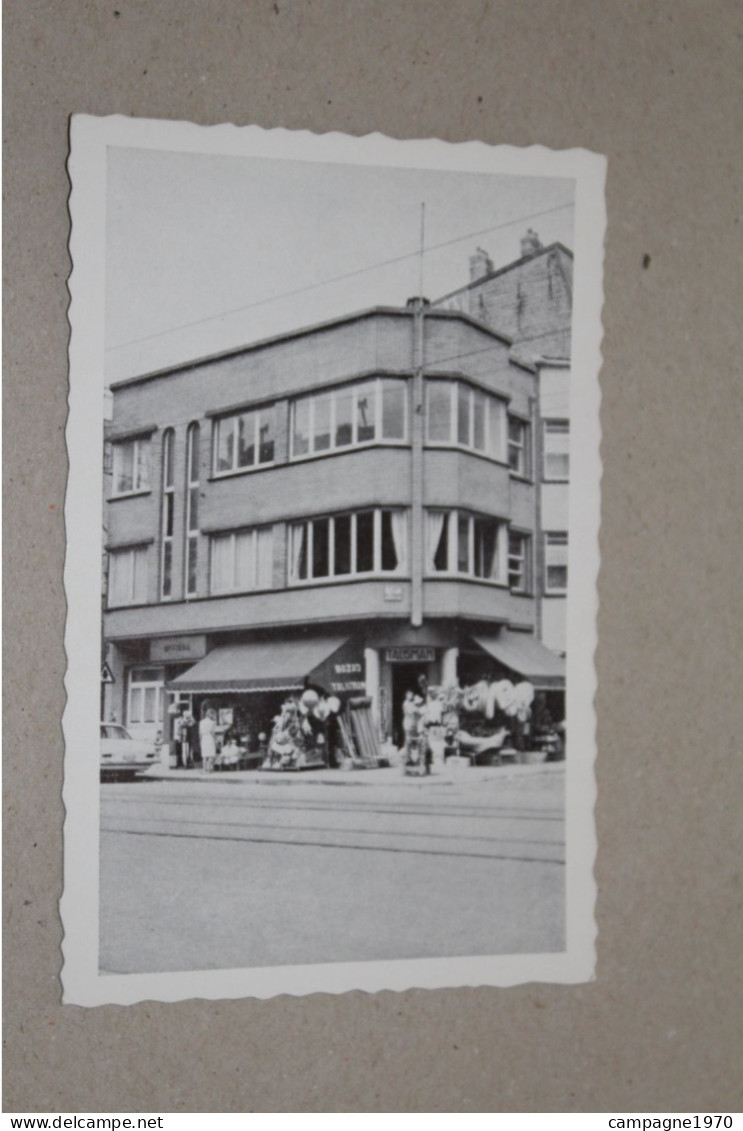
column 416, row 516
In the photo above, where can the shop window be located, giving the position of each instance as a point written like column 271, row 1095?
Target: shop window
column 518, row 431
column 556, row 449
column 460, row 543
column 168, row 512
column 131, row 466
column 518, row 562
column 145, row 700
column 127, row 576
column 466, row 417
column 342, row 545
column 245, row 440
column 363, row 413
column 242, row 560
column 192, row 509
column 555, row 562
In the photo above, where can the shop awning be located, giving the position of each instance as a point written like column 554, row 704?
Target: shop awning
column 281, row 665
column 526, row 657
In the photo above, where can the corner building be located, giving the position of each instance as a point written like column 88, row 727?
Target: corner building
column 335, row 507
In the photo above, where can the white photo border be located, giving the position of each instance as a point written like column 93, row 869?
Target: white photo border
column 90, row 138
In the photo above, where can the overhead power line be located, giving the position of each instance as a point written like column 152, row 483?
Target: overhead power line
column 339, row 278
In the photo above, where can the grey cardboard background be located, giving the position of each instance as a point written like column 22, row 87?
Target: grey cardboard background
column 656, row 87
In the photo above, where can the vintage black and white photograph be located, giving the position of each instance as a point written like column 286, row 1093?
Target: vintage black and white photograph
column 333, row 525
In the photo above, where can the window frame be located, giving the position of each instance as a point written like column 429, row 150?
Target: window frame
column 232, row 536
column 233, row 419
column 523, row 447
column 136, row 443
column 135, row 575
column 456, row 387
column 562, row 429
column 191, row 536
column 332, row 392
column 525, row 559
column 551, row 590
column 167, row 513
column 377, row 570
column 142, row 687
column 452, row 524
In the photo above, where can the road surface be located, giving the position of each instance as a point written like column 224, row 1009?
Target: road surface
column 291, row 869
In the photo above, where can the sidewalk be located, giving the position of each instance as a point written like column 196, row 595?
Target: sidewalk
column 387, row 775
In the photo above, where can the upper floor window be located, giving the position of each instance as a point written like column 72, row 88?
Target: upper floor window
column 242, row 560
column 519, row 554
column 168, row 512
column 458, row 542
column 556, row 449
column 192, row 509
column 245, row 439
column 131, row 465
column 518, row 446
column 459, row 414
column 362, row 413
column 342, row 545
column 556, row 562
column 127, row 576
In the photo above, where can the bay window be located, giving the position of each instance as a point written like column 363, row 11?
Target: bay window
column 462, row 415
column 131, row 470
column 473, row 545
column 244, row 440
column 242, row 560
column 367, row 541
column 373, row 411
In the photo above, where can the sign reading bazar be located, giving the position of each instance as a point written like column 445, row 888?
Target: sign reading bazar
column 410, row 654
column 175, row 648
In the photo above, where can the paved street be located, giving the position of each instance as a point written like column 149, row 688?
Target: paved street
column 260, row 869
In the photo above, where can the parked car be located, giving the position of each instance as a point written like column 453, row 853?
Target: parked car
column 122, row 755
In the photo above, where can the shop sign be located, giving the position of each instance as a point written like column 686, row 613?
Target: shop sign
column 393, row 592
column 347, row 677
column 410, row 654
column 175, row 648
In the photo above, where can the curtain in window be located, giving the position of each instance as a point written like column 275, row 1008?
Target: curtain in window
column 298, row 536
column 434, row 530
column 264, row 559
column 399, row 522
column 118, row 578
column 221, row 564
column 245, row 560
column 143, row 465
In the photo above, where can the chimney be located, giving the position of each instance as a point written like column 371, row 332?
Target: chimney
column 530, row 243
column 480, row 265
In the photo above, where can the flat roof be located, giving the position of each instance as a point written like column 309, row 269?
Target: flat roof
column 357, row 316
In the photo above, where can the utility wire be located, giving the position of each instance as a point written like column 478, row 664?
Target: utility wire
column 338, row 278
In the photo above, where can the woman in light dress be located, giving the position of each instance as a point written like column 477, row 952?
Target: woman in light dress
column 207, row 742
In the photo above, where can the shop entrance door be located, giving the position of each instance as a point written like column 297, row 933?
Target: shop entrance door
column 405, row 677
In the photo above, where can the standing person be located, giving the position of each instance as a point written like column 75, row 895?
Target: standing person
column 186, row 724
column 207, row 727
